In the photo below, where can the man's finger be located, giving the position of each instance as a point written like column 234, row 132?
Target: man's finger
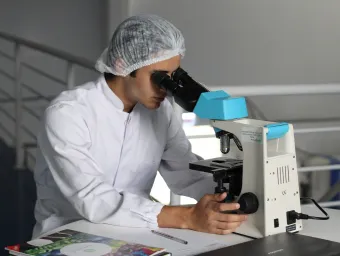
column 227, row 225
column 214, row 197
column 221, row 207
column 220, row 197
column 221, row 231
column 223, row 217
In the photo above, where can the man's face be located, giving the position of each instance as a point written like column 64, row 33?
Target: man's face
column 144, row 90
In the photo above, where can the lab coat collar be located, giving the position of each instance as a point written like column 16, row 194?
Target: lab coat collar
column 109, row 94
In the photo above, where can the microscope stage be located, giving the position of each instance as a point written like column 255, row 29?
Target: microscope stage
column 216, row 165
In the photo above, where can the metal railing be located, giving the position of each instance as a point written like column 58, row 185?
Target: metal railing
column 284, row 90
column 69, row 82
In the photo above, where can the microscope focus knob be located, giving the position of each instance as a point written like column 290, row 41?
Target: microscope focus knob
column 248, row 203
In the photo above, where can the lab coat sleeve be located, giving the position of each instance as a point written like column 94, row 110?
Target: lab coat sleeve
column 65, row 143
column 174, row 166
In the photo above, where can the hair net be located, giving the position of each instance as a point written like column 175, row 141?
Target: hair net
column 140, row 41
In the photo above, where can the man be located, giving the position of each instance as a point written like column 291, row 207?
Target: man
column 101, row 144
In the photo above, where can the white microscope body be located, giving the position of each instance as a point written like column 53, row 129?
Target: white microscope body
column 270, row 172
column 266, row 175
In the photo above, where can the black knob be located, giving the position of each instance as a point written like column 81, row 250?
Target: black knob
column 248, row 203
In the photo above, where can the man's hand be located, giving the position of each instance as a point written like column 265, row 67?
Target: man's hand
column 206, row 216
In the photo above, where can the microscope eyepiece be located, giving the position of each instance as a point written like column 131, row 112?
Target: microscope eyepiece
column 164, row 81
column 185, row 90
column 179, row 74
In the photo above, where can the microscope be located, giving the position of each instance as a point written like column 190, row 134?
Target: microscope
column 264, row 179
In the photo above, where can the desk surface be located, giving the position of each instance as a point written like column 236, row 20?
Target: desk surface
column 201, row 242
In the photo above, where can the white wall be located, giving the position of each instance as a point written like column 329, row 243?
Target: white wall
column 117, row 11
column 77, row 26
column 256, row 42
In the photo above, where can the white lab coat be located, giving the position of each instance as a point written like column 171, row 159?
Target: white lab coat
column 98, row 163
